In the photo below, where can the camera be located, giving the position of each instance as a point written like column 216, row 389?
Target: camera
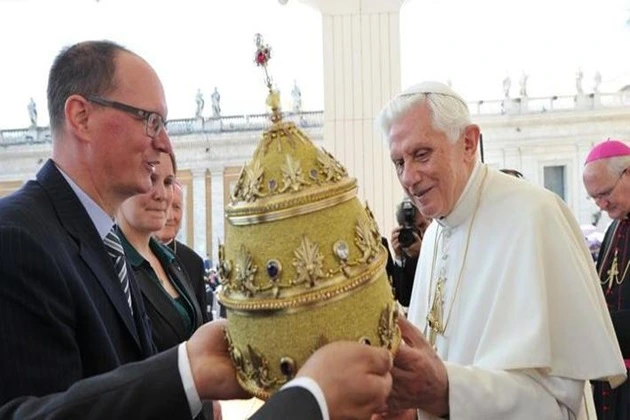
column 406, row 217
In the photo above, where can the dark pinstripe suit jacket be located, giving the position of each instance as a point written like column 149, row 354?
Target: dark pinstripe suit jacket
column 63, row 317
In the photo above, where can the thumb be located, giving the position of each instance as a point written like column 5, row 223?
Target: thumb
column 410, row 334
column 380, row 360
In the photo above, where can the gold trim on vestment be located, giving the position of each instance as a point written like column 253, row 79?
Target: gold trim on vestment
column 436, row 323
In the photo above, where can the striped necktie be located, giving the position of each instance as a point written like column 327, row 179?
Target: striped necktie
column 116, row 252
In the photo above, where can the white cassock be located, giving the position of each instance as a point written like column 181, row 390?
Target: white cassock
column 526, row 322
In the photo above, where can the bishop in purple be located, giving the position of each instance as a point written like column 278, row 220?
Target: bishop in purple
column 607, row 180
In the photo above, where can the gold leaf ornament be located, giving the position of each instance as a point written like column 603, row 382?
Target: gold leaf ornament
column 292, row 176
column 245, row 271
column 308, row 263
column 253, row 186
column 224, row 267
column 366, row 240
column 332, row 170
column 387, row 326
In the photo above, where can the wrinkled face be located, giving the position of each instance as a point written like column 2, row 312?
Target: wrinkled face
column 174, row 217
column 610, row 191
column 121, row 153
column 432, row 170
column 146, row 212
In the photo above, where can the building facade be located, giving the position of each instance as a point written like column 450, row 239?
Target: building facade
column 547, row 139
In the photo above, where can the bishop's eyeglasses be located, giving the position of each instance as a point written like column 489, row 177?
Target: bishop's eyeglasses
column 154, row 123
column 605, row 195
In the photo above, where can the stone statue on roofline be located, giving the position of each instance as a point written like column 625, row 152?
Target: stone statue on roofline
column 523, row 83
column 296, row 94
column 216, row 103
column 200, row 104
column 578, row 82
column 597, row 81
column 32, row 112
column 507, row 84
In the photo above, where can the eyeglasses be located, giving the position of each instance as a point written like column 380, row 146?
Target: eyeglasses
column 606, row 194
column 154, row 123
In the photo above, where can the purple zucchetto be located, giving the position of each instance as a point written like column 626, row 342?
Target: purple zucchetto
column 607, row 149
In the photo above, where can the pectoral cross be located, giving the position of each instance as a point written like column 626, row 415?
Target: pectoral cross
column 613, row 272
column 436, row 314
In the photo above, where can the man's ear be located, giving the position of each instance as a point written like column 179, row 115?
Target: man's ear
column 471, row 140
column 77, row 112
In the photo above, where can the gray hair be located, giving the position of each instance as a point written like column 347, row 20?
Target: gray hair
column 449, row 114
column 616, row 165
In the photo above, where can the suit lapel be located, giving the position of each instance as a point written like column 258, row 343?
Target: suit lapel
column 193, row 267
column 162, row 303
column 102, row 267
column 140, row 315
column 158, row 298
column 77, row 222
column 175, row 270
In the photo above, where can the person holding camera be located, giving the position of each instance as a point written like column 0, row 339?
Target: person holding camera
column 406, row 241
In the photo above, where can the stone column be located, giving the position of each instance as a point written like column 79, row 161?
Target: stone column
column 361, row 73
column 199, row 210
column 218, row 213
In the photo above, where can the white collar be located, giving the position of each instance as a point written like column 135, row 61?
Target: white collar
column 467, row 200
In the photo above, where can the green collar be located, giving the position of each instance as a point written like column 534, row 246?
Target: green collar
column 162, row 252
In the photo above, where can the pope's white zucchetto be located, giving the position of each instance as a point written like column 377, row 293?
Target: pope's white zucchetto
column 430, row 87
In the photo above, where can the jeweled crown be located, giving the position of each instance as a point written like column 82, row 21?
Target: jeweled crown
column 302, row 263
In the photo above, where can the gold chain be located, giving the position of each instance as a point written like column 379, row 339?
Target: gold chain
column 613, row 271
column 434, row 313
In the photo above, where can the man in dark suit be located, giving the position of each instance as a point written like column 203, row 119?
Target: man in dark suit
column 189, row 259
column 75, row 338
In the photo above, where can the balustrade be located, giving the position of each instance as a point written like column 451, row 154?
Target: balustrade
column 259, row 122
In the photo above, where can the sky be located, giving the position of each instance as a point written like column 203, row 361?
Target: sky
column 200, row 44
column 476, row 44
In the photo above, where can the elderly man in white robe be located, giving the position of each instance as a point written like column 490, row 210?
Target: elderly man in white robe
column 509, row 321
